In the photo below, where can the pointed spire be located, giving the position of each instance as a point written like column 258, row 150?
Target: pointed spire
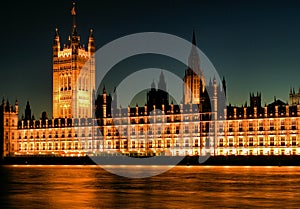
column 27, row 111
column 7, row 107
column 210, row 82
column 194, row 59
column 153, row 85
column 194, row 38
column 104, row 90
column 115, row 100
column 162, row 83
column 224, row 85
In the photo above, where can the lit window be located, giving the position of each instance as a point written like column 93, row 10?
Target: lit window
column 261, row 141
column 294, row 141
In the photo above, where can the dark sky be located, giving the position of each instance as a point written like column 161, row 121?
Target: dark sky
column 254, row 44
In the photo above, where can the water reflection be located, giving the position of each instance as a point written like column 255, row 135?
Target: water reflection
column 181, row 187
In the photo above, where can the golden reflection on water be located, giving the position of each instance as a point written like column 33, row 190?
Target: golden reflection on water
column 181, row 187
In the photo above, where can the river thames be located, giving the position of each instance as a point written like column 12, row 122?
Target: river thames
column 180, row 187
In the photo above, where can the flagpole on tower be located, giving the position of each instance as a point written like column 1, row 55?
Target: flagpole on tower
column 73, row 12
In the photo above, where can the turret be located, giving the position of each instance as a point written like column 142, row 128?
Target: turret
column 17, row 107
column 3, row 105
column 104, row 104
column 27, row 111
column 7, row 106
column 265, row 111
column 56, row 43
column 91, row 44
column 136, row 109
column 215, row 99
column 104, row 95
column 234, row 112
column 145, row 109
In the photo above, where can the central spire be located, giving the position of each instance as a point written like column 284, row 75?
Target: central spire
column 194, row 38
column 194, row 60
column 73, row 12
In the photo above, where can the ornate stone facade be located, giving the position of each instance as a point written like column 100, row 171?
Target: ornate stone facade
column 197, row 126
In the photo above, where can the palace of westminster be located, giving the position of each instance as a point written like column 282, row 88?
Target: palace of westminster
column 83, row 124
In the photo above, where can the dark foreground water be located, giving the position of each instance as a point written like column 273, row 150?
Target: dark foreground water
column 181, row 187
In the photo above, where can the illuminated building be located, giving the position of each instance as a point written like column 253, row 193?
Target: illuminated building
column 159, row 127
column 73, row 75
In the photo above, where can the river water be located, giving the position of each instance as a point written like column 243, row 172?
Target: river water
column 180, row 187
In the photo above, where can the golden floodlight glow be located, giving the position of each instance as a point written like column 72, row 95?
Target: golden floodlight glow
column 273, row 129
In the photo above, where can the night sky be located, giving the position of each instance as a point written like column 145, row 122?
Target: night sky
column 254, row 44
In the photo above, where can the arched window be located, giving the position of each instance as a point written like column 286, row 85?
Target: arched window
column 61, row 82
column 79, row 83
column 86, row 83
column 65, row 82
column 69, row 82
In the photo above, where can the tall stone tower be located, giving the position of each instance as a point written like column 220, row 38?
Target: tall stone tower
column 193, row 79
column 8, row 127
column 73, row 75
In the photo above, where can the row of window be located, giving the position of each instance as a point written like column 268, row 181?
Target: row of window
column 262, row 151
column 7, row 122
column 54, row 146
column 259, row 142
column 271, row 128
column 261, row 124
column 69, row 146
column 54, row 136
